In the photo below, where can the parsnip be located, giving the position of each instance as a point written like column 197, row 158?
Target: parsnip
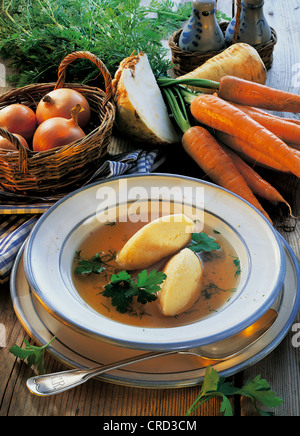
column 181, row 288
column 240, row 60
column 155, row 241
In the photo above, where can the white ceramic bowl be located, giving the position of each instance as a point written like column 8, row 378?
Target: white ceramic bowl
column 50, row 250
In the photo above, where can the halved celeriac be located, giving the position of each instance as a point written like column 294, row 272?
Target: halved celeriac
column 155, row 241
column 181, row 288
column 141, row 111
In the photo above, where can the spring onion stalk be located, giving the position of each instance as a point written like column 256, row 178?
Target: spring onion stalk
column 187, row 94
column 178, row 99
column 180, row 114
column 198, row 83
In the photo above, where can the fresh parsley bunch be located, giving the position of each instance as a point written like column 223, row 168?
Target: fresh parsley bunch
column 122, row 288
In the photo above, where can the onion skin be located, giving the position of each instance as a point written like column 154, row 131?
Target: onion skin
column 58, row 103
column 6, row 145
column 57, row 132
column 19, row 119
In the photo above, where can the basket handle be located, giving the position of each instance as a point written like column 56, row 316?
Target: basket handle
column 238, row 21
column 23, row 152
column 85, row 55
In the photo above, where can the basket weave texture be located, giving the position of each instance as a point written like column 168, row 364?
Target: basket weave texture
column 66, row 168
column 186, row 61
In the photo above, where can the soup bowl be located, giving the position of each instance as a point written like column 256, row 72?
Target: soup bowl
column 259, row 258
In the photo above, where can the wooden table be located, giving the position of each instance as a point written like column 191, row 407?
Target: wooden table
column 280, row 368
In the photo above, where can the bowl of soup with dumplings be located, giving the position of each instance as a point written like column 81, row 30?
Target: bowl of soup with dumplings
column 155, row 262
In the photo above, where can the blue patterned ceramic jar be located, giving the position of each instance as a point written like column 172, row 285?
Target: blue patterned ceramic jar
column 202, row 32
column 254, row 28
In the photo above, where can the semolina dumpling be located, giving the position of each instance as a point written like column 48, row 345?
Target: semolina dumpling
column 155, row 241
column 181, row 288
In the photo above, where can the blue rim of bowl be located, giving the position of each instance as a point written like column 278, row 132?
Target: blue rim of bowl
column 154, row 346
column 123, row 380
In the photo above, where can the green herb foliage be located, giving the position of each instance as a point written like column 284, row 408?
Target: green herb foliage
column 257, row 389
column 122, row 289
column 35, row 35
column 96, row 264
column 35, row 355
column 237, row 264
column 203, row 242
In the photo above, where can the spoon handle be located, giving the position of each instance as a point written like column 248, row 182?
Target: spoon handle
column 55, row 383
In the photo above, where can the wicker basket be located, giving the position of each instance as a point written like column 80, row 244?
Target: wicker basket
column 61, row 169
column 186, row 61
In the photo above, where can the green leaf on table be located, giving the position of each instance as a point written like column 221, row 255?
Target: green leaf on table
column 213, row 386
column 259, row 391
column 35, row 355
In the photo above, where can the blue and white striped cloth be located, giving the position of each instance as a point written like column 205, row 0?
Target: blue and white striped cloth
column 17, row 220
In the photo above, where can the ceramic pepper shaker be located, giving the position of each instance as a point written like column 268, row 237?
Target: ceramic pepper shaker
column 202, row 32
column 254, row 28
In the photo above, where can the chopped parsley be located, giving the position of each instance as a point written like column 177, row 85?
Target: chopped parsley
column 237, row 264
column 212, row 289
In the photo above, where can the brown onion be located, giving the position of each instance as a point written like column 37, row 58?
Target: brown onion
column 6, row 145
column 20, row 119
column 57, row 132
column 58, row 103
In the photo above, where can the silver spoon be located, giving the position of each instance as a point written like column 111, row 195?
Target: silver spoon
column 55, row 383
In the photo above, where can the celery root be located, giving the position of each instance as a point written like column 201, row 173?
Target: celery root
column 142, row 114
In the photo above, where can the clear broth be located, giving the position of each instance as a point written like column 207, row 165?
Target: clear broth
column 220, row 278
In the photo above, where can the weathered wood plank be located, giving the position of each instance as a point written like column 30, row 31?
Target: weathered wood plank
column 95, row 398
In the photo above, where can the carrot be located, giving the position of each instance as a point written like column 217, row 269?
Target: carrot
column 285, row 130
column 272, row 115
column 256, row 183
column 296, row 147
column 204, row 149
column 249, row 93
column 221, row 115
column 247, row 152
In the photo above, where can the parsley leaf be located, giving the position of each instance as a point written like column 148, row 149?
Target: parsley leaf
column 203, row 242
column 94, row 265
column 122, row 289
column 259, row 390
column 151, row 281
column 35, row 355
column 119, row 290
column 215, row 386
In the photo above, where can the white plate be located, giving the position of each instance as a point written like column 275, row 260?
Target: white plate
column 77, row 351
column 60, row 232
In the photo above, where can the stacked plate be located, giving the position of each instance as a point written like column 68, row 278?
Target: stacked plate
column 47, row 302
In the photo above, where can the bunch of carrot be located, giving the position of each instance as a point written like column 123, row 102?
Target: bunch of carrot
column 241, row 128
